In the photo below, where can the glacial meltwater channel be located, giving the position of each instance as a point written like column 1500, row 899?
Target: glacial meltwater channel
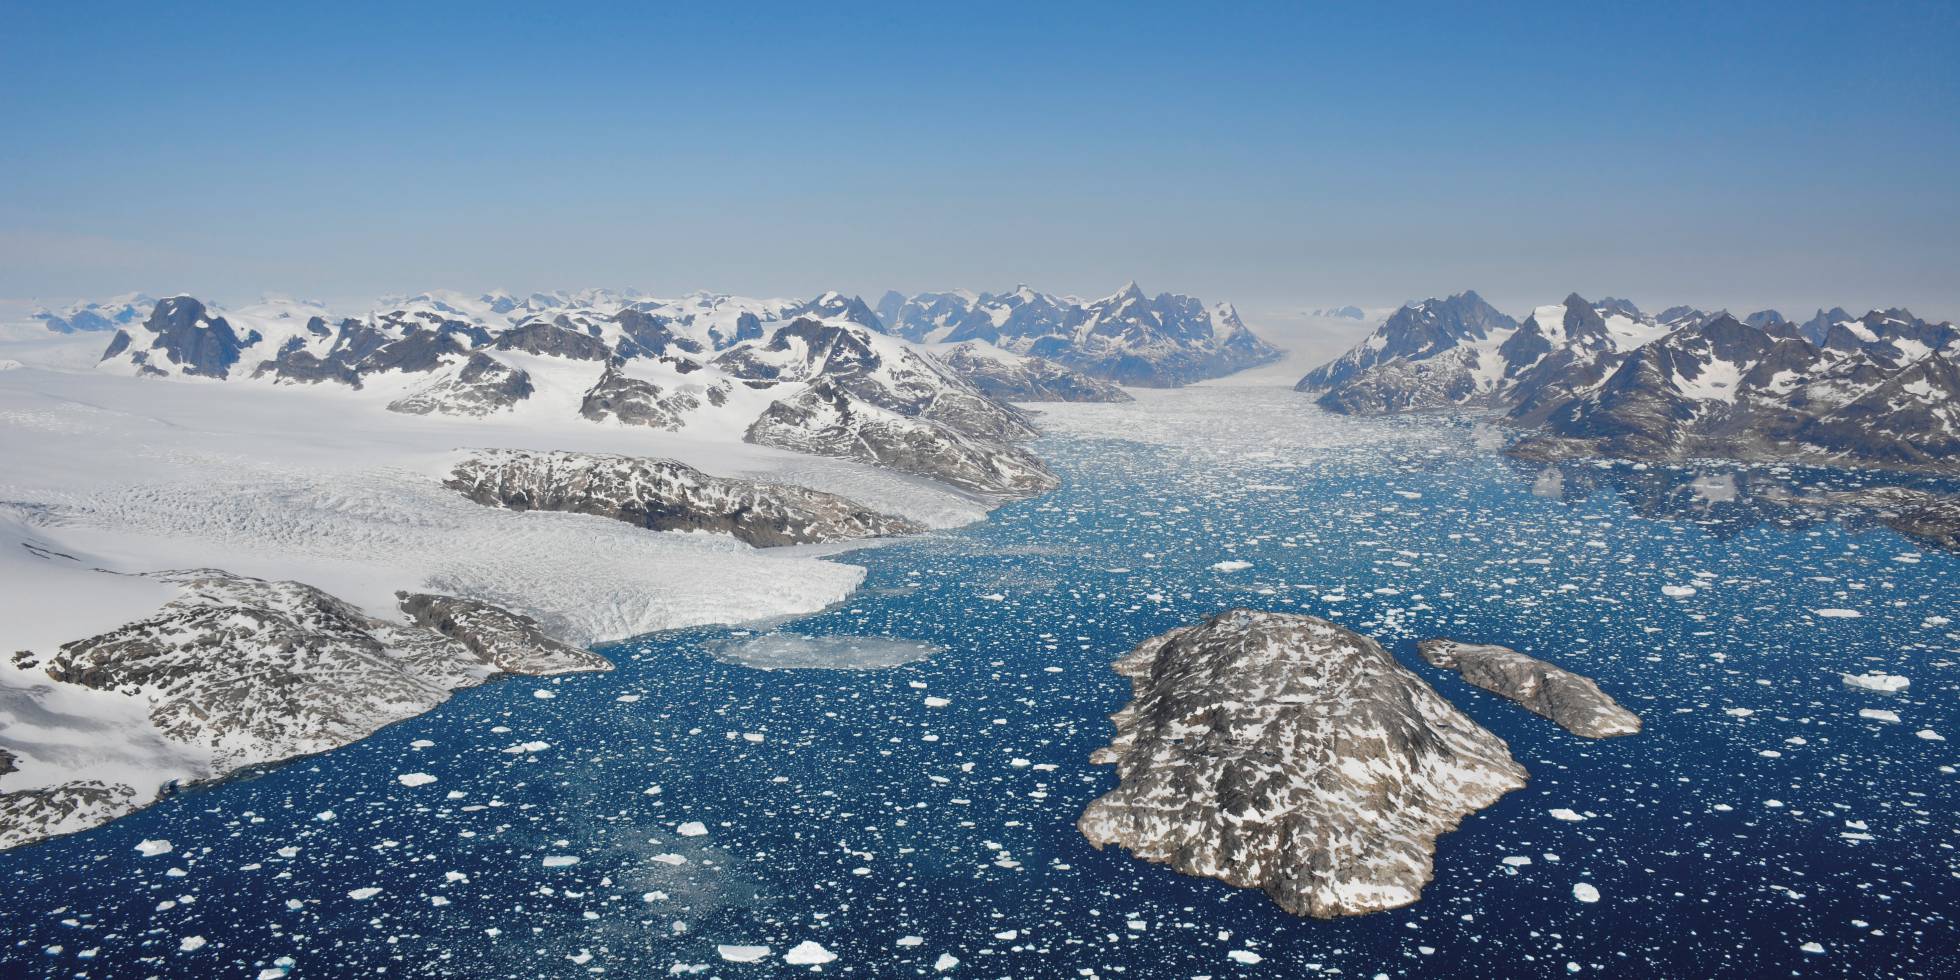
column 914, row 815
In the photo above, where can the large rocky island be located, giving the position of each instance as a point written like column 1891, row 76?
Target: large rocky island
column 1572, row 700
column 1285, row 753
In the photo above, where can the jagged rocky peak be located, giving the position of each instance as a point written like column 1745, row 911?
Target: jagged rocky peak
column 181, row 337
column 1286, row 753
column 664, row 495
column 1414, row 332
column 1574, row 701
column 837, row 306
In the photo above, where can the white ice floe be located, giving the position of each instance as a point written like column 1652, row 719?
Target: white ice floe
column 808, row 953
column 152, row 848
column 1231, row 566
column 1585, row 892
column 1562, row 813
column 1838, row 613
column 560, row 860
column 692, row 828
column 1879, row 714
column 741, row 953
column 363, row 894
column 413, row 779
column 1877, row 681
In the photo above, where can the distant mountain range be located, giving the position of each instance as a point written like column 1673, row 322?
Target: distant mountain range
column 788, row 375
column 90, row 315
column 1604, row 378
column 1127, row 337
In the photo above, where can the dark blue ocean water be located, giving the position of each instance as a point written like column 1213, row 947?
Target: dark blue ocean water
column 843, row 807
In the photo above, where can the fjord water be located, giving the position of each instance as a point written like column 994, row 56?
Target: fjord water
column 916, row 812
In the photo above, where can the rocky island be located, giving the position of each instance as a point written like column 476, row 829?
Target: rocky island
column 1286, row 753
column 663, row 495
column 1571, row 700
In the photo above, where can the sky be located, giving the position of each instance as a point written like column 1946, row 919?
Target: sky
column 1282, row 156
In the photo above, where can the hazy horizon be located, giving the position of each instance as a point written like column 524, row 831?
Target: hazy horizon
column 1793, row 156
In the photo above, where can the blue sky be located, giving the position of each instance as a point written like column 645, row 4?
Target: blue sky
column 1278, row 155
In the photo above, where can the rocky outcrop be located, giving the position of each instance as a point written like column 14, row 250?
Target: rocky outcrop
column 483, row 386
column 241, row 671
column 511, row 642
column 1572, row 700
column 1285, row 753
column 825, row 421
column 1014, row 378
column 181, row 336
column 663, row 495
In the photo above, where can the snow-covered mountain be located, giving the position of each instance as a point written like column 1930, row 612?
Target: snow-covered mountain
column 1127, row 337
column 1607, row 378
column 105, row 314
column 808, row 377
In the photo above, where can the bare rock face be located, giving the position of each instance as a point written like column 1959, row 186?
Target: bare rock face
column 511, row 642
column 1572, row 700
column 1288, row 754
column 664, row 495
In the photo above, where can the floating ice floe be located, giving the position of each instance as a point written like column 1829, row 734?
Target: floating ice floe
column 1930, row 735
column 560, row 860
column 808, row 953
column 1678, row 591
column 1879, row 714
column 692, row 828
column 1585, row 892
column 363, row 894
column 1838, row 613
column 415, row 779
column 796, row 651
column 1244, row 956
column 1231, row 566
column 152, row 848
column 1877, row 681
column 742, row 954
column 190, row 944
column 1563, row 813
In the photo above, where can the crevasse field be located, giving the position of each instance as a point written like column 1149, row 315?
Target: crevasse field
column 909, row 809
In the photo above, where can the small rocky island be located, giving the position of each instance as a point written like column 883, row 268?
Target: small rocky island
column 1285, row 753
column 1572, row 700
column 663, row 495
